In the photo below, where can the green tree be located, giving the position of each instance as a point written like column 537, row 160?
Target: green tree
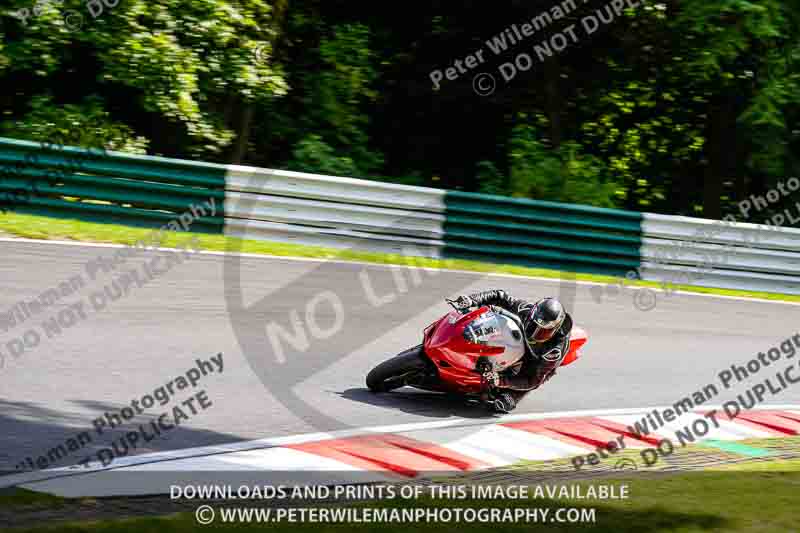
column 312, row 154
column 732, row 49
column 174, row 66
column 489, row 179
column 86, row 124
column 566, row 174
column 335, row 95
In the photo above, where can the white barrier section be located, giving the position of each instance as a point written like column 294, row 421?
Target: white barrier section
column 335, row 212
column 713, row 253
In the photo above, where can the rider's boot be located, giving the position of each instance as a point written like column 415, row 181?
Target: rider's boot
column 504, row 402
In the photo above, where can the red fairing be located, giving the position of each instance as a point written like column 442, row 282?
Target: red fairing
column 456, row 358
column 577, row 339
column 453, row 355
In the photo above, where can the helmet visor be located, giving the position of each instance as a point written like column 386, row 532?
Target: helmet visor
column 544, row 329
column 542, row 334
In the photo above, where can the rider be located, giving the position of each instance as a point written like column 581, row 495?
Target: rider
column 547, row 329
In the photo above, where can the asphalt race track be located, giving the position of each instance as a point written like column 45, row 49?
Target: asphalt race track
column 143, row 340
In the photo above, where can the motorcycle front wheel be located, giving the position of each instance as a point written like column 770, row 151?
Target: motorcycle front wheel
column 396, row 372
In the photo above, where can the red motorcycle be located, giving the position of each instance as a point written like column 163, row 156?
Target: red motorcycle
column 459, row 349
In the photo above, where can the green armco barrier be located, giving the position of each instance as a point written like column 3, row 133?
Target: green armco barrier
column 89, row 184
column 541, row 234
column 113, row 187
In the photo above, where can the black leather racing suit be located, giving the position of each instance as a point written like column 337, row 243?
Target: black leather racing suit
column 541, row 360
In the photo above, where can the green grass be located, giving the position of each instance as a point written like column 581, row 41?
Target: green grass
column 792, row 465
column 745, row 502
column 750, row 497
column 40, row 227
column 697, row 455
column 17, row 497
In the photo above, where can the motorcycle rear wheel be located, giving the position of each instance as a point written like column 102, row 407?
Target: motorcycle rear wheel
column 395, row 372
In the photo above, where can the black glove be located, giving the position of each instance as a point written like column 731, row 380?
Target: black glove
column 463, row 303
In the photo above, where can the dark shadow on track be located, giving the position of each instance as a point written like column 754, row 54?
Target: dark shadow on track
column 421, row 403
column 28, row 430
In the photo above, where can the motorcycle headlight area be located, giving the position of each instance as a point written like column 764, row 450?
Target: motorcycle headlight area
column 483, row 330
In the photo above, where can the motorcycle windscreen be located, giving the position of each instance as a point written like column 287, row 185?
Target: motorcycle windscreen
column 497, row 331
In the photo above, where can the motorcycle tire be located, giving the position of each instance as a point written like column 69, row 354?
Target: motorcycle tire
column 391, row 374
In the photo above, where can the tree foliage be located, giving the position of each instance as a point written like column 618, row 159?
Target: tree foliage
column 676, row 107
column 566, row 174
